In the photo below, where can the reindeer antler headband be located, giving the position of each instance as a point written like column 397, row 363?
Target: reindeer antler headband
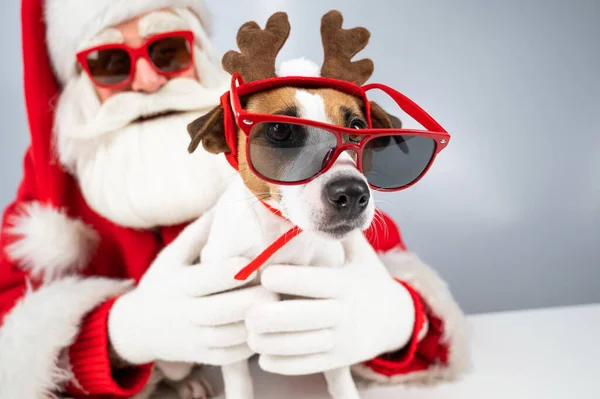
column 253, row 70
column 259, row 49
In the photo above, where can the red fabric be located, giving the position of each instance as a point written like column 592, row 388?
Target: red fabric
column 406, row 356
column 383, row 234
column 90, row 362
column 41, row 93
column 428, row 352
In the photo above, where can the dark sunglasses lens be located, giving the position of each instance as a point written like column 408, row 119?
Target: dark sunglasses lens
column 391, row 162
column 290, row 153
column 109, row 67
column 171, row 54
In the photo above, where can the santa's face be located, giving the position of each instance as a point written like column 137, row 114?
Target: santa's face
column 134, row 34
column 127, row 145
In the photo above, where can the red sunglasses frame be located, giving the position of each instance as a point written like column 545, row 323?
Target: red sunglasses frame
column 135, row 53
column 247, row 120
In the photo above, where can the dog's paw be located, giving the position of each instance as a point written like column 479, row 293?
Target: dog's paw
column 193, row 387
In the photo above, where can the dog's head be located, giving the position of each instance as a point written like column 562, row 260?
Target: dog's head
column 337, row 201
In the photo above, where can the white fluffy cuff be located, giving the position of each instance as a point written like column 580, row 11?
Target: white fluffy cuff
column 40, row 327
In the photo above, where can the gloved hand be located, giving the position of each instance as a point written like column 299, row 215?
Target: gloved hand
column 180, row 312
column 358, row 313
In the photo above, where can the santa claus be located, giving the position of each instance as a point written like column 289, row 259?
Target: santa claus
column 108, row 185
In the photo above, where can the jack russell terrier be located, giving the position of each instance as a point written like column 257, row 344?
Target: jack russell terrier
column 308, row 152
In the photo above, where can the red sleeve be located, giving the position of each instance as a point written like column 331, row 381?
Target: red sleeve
column 91, row 365
column 417, row 355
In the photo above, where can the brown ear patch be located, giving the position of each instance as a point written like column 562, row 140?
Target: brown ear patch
column 209, row 130
column 383, row 120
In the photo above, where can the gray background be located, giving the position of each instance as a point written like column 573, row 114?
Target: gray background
column 509, row 215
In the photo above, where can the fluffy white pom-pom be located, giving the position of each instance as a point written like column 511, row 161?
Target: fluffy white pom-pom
column 299, row 67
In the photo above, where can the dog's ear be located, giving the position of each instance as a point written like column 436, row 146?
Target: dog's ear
column 210, row 130
column 383, row 120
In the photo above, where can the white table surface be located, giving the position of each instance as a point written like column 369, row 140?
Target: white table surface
column 548, row 354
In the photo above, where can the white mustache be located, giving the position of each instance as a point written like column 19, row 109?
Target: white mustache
column 179, row 94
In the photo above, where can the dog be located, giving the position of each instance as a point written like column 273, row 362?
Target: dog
column 332, row 209
column 289, row 142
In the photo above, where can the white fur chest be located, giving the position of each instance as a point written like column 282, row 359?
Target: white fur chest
column 242, row 226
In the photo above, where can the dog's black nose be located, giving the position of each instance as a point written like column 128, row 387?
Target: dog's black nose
column 349, row 196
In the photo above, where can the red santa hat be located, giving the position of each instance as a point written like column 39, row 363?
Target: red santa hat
column 47, row 238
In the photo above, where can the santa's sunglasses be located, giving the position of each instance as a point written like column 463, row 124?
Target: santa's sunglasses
column 287, row 150
column 113, row 65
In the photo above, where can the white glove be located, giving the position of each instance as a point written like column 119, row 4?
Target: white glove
column 359, row 312
column 178, row 312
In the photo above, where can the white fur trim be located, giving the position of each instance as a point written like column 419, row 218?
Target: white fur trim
column 50, row 244
column 38, row 329
column 299, row 67
column 72, row 22
column 406, row 266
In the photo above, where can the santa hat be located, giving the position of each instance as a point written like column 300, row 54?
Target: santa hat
column 44, row 180
column 46, row 237
column 72, row 22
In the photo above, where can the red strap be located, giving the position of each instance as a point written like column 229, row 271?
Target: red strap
column 274, row 211
column 264, row 256
column 267, row 253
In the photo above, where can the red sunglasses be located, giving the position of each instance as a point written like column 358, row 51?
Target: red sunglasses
column 113, row 65
column 287, row 150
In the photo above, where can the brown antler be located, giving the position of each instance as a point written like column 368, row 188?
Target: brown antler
column 339, row 46
column 258, row 48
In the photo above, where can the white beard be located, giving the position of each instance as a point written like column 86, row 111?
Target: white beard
column 140, row 174
column 144, row 177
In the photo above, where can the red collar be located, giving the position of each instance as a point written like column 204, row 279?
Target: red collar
column 264, row 256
